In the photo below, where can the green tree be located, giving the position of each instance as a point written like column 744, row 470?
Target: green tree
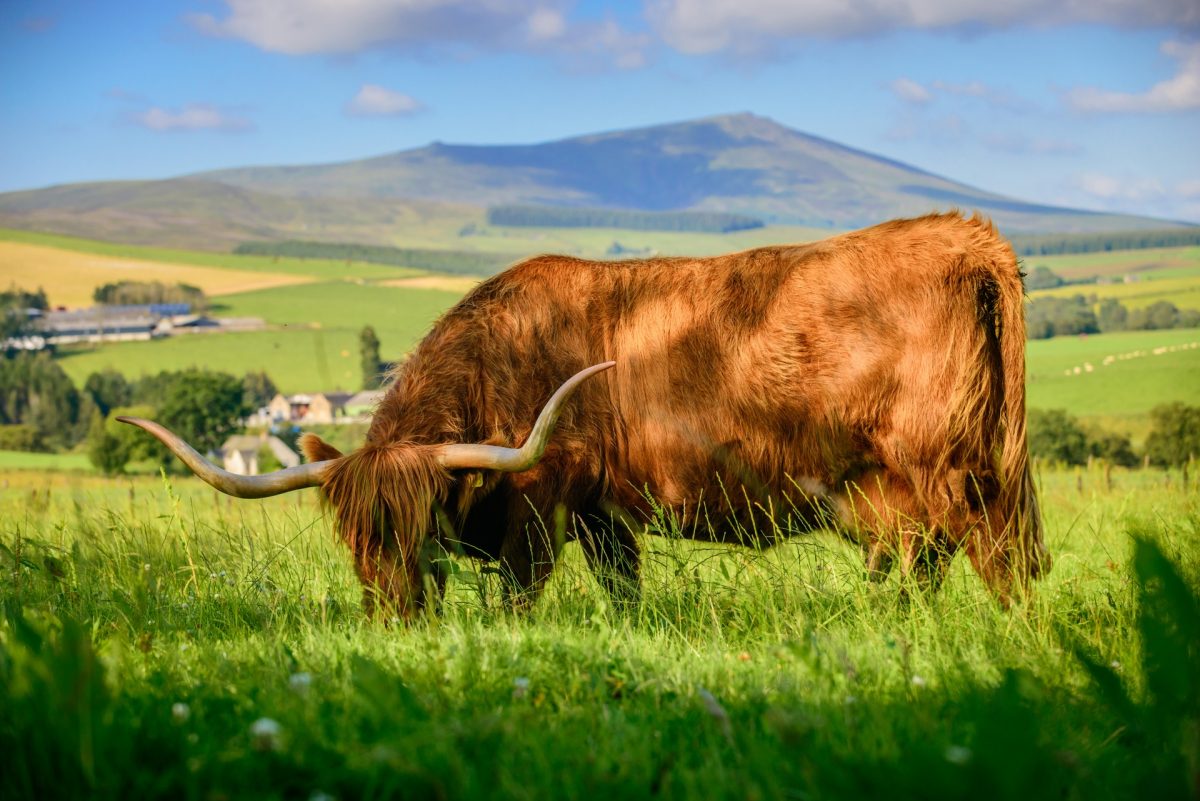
column 1175, row 434
column 368, row 348
column 1113, row 447
column 203, row 407
column 111, row 444
column 107, row 390
column 1043, row 277
column 105, row 450
column 1056, row 435
column 258, row 388
column 1112, row 316
column 1158, row 316
column 35, row 390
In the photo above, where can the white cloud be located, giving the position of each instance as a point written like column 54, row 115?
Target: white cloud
column 192, row 117
column 753, row 26
column 1181, row 92
column 458, row 27
column 374, row 100
column 910, row 91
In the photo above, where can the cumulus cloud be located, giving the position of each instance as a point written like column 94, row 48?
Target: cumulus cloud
column 305, row 27
column 755, row 26
column 374, row 100
column 1181, row 92
column 192, row 117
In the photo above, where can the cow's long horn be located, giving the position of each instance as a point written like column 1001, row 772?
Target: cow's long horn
column 513, row 460
column 264, row 486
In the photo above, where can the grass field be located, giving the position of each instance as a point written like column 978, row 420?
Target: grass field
column 323, row 269
column 69, row 277
column 164, row 641
column 1167, row 262
column 312, row 347
column 1119, row 394
column 22, row 460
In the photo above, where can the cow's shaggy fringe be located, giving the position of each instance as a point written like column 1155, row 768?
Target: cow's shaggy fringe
column 384, row 497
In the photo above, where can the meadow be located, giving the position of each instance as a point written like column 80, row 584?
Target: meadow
column 160, row 640
column 1170, row 274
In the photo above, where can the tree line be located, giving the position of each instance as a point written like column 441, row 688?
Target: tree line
column 459, row 262
column 714, row 222
column 1056, row 244
column 42, row 410
column 1058, row 436
column 137, row 293
column 1079, row 314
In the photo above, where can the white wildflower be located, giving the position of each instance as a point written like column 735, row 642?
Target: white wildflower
column 180, row 712
column 520, row 688
column 300, row 682
column 917, row 681
column 264, row 734
column 958, row 755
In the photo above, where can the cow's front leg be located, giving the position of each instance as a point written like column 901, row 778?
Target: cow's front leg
column 613, row 555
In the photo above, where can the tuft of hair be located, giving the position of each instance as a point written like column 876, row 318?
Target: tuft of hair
column 383, row 498
column 316, row 449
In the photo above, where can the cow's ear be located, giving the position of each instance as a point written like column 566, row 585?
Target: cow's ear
column 317, row 450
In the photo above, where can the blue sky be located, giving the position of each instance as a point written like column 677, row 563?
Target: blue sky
column 1078, row 103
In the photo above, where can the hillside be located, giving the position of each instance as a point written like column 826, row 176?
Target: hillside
column 740, row 164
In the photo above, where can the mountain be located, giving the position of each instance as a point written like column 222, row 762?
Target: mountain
column 737, row 163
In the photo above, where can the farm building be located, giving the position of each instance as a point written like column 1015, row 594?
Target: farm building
column 240, row 453
column 322, row 407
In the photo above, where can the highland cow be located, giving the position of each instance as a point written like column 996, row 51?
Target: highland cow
column 873, row 382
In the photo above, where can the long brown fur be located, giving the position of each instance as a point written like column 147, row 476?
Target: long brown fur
column 874, row 379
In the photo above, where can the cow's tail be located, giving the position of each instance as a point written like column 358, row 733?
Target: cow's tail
column 1024, row 520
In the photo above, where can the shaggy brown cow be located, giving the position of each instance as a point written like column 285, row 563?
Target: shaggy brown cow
column 873, row 379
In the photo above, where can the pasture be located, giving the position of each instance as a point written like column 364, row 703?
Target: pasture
column 69, row 277
column 312, row 344
column 1171, row 274
column 151, row 623
column 1130, row 373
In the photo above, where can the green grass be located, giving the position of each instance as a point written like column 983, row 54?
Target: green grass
column 325, row 269
column 22, row 460
column 1183, row 291
column 1120, row 394
column 149, row 631
column 314, row 346
column 1166, row 262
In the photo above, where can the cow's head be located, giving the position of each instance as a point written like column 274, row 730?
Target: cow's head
column 384, row 495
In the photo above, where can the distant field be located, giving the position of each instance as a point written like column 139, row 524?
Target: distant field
column 20, row 460
column 324, row 269
column 1184, row 292
column 1121, row 393
column 69, row 277
column 1163, row 262
column 315, row 348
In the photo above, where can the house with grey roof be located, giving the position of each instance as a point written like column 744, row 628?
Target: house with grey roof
column 240, row 453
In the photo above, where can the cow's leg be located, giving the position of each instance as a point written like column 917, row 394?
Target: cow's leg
column 613, row 555
column 878, row 557
column 527, row 557
column 924, row 558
